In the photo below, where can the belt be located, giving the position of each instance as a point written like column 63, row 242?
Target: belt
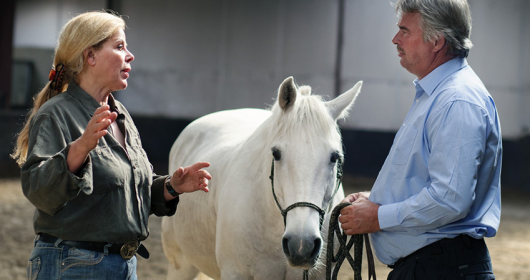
column 436, row 248
column 126, row 250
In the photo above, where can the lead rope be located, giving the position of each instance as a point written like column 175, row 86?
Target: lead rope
column 345, row 247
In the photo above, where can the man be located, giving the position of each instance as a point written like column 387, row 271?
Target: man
column 438, row 193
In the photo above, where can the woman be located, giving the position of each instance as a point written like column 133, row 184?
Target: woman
column 83, row 165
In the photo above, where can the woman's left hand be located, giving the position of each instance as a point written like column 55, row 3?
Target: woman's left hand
column 191, row 178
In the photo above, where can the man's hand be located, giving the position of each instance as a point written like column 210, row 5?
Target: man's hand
column 354, row 196
column 360, row 217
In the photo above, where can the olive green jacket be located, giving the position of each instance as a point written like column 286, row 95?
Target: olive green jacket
column 111, row 197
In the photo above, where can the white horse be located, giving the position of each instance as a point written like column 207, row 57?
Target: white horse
column 236, row 231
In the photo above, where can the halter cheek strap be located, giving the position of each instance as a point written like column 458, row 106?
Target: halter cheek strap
column 320, row 211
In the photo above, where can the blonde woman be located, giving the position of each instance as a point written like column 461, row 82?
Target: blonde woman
column 82, row 162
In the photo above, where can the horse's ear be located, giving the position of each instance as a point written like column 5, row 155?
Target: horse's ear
column 287, row 94
column 339, row 106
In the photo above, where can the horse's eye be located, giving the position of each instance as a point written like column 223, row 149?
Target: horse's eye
column 277, row 154
column 334, row 157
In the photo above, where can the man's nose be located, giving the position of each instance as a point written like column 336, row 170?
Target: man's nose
column 395, row 39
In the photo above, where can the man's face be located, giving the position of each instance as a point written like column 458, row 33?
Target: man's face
column 416, row 55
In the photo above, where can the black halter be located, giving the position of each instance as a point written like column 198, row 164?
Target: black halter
column 320, row 211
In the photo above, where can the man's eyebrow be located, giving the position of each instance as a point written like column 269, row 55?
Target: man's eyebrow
column 402, row 27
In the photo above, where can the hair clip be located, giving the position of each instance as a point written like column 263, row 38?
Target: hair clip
column 56, row 76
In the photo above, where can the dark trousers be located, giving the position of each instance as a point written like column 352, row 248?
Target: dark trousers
column 462, row 257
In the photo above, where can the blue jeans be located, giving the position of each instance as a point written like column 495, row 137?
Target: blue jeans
column 56, row 261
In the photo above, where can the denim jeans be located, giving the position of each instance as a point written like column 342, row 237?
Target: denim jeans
column 56, row 261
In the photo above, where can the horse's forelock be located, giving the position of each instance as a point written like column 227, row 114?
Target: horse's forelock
column 305, row 90
column 308, row 118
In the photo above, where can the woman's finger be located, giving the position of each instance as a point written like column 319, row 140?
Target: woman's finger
column 198, row 166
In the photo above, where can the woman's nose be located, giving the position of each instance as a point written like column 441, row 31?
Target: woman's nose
column 130, row 57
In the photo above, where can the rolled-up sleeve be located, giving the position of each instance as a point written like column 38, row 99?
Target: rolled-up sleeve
column 46, row 181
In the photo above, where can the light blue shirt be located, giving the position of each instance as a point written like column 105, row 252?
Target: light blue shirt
column 442, row 175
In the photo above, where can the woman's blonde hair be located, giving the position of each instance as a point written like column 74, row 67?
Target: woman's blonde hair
column 86, row 30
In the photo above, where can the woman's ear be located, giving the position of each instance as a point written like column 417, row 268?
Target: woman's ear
column 90, row 56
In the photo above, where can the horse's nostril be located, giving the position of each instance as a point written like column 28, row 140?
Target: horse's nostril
column 285, row 246
column 316, row 249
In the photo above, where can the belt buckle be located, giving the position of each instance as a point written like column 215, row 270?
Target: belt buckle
column 128, row 250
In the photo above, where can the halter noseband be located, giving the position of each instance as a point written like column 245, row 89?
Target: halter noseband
column 320, row 211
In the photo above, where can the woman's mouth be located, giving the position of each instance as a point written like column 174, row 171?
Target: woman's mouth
column 126, row 72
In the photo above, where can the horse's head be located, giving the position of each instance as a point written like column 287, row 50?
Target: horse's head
column 307, row 152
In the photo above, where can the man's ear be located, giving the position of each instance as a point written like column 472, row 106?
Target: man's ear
column 439, row 43
column 90, row 56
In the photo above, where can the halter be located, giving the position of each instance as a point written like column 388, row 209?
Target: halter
column 320, row 211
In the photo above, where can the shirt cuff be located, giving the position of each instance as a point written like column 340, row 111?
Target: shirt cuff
column 159, row 205
column 388, row 217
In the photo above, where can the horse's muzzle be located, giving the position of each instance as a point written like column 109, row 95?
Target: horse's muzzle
column 302, row 252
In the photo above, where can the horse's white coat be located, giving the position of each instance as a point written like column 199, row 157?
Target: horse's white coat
column 236, row 230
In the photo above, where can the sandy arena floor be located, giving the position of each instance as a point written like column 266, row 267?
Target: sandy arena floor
column 510, row 249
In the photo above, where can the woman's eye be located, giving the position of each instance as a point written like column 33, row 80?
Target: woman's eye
column 120, row 47
column 277, row 154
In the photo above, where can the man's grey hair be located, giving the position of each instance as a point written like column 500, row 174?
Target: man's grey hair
column 448, row 18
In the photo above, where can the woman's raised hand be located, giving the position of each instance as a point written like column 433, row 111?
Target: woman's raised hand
column 96, row 128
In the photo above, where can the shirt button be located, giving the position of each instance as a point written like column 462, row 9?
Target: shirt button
column 417, row 100
column 404, row 124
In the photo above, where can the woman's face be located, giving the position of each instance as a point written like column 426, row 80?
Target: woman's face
column 113, row 62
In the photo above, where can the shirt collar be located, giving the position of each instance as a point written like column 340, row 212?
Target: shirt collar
column 433, row 79
column 78, row 93
column 112, row 104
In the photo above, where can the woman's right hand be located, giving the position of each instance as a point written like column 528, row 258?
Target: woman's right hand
column 96, row 128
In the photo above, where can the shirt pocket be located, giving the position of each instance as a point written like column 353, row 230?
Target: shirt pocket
column 404, row 145
column 107, row 170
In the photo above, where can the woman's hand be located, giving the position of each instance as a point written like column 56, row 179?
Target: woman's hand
column 96, row 128
column 191, row 178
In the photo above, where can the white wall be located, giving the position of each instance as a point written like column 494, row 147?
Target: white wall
column 210, row 55
column 194, row 57
column 38, row 22
column 501, row 57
